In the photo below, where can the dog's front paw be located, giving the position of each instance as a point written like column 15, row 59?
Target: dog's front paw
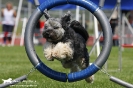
column 62, row 51
column 48, row 51
column 48, row 54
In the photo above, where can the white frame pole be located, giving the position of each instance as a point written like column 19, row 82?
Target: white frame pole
column 36, row 2
column 83, row 18
column 123, row 30
column 96, row 35
column 29, row 9
column 16, row 22
column 23, row 31
column 0, row 9
column 120, row 35
column 101, row 3
column 77, row 13
column 128, row 24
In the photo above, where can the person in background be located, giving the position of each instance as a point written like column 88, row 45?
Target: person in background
column 8, row 22
column 114, row 23
column 130, row 17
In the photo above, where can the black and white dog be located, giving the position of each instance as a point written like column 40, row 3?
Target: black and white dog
column 66, row 42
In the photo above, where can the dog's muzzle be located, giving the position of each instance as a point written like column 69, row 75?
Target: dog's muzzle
column 49, row 34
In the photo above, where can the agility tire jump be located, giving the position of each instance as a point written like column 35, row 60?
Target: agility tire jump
column 76, row 76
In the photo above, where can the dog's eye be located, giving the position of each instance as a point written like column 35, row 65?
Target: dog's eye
column 56, row 27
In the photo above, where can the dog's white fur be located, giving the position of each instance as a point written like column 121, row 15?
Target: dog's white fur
column 48, row 48
column 60, row 51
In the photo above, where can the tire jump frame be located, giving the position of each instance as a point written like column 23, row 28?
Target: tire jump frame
column 71, row 77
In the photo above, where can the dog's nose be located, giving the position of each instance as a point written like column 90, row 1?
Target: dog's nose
column 47, row 33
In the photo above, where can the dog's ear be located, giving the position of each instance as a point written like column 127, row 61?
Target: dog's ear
column 46, row 14
column 65, row 20
column 66, row 17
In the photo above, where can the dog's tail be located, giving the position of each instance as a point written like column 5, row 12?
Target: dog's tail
column 78, row 28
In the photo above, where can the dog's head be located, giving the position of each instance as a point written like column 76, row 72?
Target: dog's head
column 55, row 28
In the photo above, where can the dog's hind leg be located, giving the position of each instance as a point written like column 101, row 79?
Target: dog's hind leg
column 90, row 79
column 84, row 63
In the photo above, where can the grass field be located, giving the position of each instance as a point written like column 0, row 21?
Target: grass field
column 14, row 63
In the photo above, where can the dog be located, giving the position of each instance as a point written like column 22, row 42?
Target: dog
column 66, row 42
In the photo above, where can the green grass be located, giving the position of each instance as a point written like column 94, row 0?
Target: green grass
column 14, row 63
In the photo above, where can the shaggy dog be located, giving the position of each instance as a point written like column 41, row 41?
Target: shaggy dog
column 66, row 42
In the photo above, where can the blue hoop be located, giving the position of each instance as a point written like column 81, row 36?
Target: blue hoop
column 99, row 62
